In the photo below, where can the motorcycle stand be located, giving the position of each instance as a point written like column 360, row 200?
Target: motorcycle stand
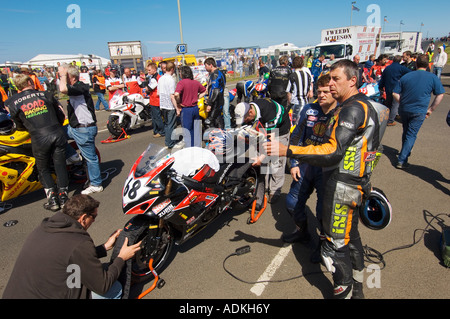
column 255, row 216
column 111, row 139
column 157, row 282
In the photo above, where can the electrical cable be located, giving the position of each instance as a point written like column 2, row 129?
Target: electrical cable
column 371, row 255
column 246, row 249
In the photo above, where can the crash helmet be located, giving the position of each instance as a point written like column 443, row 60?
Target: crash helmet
column 7, row 126
column 220, row 142
column 377, row 212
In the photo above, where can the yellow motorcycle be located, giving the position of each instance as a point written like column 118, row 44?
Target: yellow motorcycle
column 18, row 171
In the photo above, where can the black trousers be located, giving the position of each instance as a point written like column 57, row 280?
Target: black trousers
column 48, row 149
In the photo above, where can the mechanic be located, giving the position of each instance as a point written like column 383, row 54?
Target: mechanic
column 39, row 113
column 348, row 158
column 59, row 249
column 244, row 89
column 275, row 120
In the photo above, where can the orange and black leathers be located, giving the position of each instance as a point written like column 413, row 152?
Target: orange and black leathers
column 348, row 158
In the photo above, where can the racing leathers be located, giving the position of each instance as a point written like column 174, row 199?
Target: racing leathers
column 277, row 84
column 245, row 89
column 216, row 87
column 310, row 130
column 348, row 158
column 39, row 113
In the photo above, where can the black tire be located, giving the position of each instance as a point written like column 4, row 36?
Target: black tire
column 157, row 243
column 252, row 179
column 115, row 128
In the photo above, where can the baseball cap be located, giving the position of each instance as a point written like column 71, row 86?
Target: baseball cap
column 240, row 111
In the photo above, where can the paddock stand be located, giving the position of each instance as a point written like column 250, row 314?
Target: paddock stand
column 254, row 216
column 111, row 139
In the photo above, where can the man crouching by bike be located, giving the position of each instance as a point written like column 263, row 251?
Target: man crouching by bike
column 39, row 113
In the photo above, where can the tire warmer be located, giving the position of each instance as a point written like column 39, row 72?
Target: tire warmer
column 132, row 230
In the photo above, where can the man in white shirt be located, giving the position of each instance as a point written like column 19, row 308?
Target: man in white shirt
column 168, row 103
column 440, row 60
column 300, row 88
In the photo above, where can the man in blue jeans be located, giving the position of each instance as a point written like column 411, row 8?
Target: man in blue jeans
column 82, row 123
column 311, row 129
column 413, row 92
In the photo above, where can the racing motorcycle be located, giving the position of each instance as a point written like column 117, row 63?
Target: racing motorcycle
column 172, row 197
column 19, row 174
column 129, row 111
column 261, row 91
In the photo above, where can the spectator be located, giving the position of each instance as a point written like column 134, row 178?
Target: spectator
column 413, row 92
column 169, row 112
column 300, row 88
column 316, row 70
column 278, row 82
column 377, row 69
column 389, row 79
column 440, row 60
column 187, row 93
column 216, row 88
column 100, row 89
column 113, row 83
column 408, row 61
column 162, row 66
column 152, row 91
column 107, row 69
column 39, row 113
column 41, row 272
column 310, row 131
column 263, row 69
column 82, row 123
column 132, row 82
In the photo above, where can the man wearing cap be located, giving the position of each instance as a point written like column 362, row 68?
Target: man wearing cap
column 275, row 120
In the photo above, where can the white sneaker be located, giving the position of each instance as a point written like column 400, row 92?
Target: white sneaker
column 92, row 189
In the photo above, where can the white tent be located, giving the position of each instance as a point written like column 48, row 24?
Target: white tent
column 53, row 59
column 281, row 49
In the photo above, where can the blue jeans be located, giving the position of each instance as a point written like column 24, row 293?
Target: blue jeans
column 437, row 71
column 191, row 122
column 85, row 139
column 115, row 292
column 310, row 179
column 296, row 109
column 158, row 125
column 412, row 123
column 101, row 99
column 170, row 123
column 226, row 111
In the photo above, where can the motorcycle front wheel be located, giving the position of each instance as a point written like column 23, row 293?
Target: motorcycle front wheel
column 157, row 243
column 115, row 127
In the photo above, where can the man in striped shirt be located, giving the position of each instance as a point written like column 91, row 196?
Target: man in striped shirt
column 299, row 88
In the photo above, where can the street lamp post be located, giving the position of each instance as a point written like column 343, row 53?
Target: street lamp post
column 181, row 28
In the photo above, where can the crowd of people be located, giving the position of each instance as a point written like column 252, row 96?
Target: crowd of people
column 340, row 122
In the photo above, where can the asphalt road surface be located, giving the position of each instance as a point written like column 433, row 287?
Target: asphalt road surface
column 196, row 269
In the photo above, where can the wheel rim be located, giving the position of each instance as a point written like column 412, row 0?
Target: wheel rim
column 152, row 247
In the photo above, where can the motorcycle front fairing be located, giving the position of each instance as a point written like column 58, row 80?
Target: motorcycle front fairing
column 145, row 183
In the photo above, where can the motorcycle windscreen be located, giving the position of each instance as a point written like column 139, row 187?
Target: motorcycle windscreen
column 151, row 158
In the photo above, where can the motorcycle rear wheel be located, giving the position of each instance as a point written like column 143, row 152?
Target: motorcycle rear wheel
column 157, row 243
column 115, row 127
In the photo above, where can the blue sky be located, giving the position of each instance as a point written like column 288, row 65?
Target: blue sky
column 35, row 27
